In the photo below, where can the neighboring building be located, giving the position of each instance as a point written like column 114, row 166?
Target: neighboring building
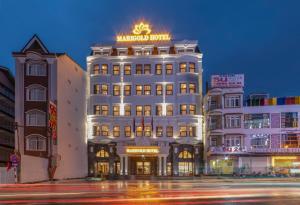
column 7, row 105
column 144, row 106
column 260, row 136
column 50, row 112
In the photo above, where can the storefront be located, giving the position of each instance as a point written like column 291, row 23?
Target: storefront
column 223, row 165
column 286, row 164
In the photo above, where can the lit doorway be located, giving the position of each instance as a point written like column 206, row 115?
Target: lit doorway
column 143, row 168
column 102, row 168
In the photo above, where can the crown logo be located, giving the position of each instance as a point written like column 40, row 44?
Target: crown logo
column 141, row 28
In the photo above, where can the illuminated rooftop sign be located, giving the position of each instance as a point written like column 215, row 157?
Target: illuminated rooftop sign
column 142, row 32
column 142, row 150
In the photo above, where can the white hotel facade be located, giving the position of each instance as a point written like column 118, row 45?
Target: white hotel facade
column 144, row 108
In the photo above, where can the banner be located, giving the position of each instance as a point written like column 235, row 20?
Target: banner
column 227, row 81
column 53, row 120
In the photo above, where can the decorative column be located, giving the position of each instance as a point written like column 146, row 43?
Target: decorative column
column 164, row 170
column 121, row 165
column 126, row 166
column 159, row 166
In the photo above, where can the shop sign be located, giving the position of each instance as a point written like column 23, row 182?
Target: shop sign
column 141, row 33
column 53, row 120
column 142, row 150
column 227, row 81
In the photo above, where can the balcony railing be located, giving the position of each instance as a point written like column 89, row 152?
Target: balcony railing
column 215, row 127
column 214, row 107
column 274, row 150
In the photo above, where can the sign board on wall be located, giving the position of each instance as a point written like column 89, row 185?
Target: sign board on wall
column 227, row 81
column 53, row 120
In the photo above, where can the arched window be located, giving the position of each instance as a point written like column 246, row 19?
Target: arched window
column 35, row 118
column 185, row 155
column 102, row 153
column 35, row 143
column 35, row 93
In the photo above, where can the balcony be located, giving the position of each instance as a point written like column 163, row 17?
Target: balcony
column 214, row 107
column 227, row 150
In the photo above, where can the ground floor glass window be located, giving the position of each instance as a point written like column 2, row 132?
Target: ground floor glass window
column 186, row 168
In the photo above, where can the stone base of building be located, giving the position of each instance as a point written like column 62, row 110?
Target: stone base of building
column 139, row 162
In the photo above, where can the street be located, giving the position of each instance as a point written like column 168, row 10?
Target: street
column 204, row 191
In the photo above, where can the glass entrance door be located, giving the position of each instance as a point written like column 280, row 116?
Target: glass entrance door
column 143, row 168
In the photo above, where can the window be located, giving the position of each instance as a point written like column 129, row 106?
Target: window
column 169, row 69
column 122, row 53
column 127, row 70
column 138, row 52
column 97, row 109
column 260, row 120
column 289, row 119
column 96, row 89
column 169, row 89
column 35, row 143
column 96, row 69
column 183, row 88
column 104, row 130
column 127, row 90
column 116, row 91
column 102, row 153
column 169, row 131
column 104, row 69
column 104, row 110
column 232, row 121
column 185, row 155
column 116, row 110
column 159, row 110
column 159, row 131
column 169, row 110
column 260, row 140
column 162, row 52
column 182, row 67
column 232, row 101
column 101, row 89
column 192, row 67
column 36, row 70
column 139, row 89
column 290, row 141
column 192, row 109
column 35, row 118
column 116, row 70
column 36, row 93
column 139, row 110
column 96, row 130
column 147, row 52
column 232, row 141
column 192, row 88
column 139, row 131
column 127, row 110
column 159, row 89
column 147, row 131
column 139, row 69
column 104, row 89
column 183, row 131
column 183, row 110
column 185, row 168
column 192, row 131
column 147, row 89
column 116, row 131
column 147, row 110
column 127, row 131
column 158, row 69
column 147, row 69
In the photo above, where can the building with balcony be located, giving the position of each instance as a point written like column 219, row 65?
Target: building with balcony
column 7, row 113
column 50, row 112
column 145, row 106
column 261, row 135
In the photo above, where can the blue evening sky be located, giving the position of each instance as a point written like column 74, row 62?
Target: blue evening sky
column 260, row 38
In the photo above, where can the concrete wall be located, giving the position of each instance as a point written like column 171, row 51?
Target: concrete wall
column 72, row 142
column 255, row 164
column 6, row 177
column 33, row 169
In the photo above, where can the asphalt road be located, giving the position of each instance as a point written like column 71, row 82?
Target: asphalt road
column 174, row 192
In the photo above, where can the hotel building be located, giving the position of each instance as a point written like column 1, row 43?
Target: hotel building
column 50, row 112
column 144, row 106
column 7, row 113
column 261, row 135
